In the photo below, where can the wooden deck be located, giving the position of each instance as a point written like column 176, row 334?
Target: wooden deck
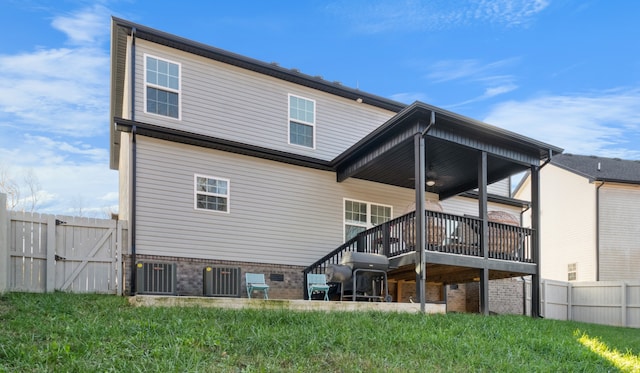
column 453, row 254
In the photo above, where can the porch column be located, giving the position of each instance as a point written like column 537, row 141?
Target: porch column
column 484, row 232
column 419, row 171
column 535, row 240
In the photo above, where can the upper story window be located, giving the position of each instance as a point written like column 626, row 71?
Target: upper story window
column 302, row 121
column 360, row 216
column 162, row 87
column 211, row 193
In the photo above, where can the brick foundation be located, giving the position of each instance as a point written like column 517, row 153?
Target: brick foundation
column 285, row 281
column 505, row 297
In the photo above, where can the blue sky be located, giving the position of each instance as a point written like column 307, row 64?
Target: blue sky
column 561, row 71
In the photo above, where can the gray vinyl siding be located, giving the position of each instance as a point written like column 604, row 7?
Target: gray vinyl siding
column 228, row 102
column 619, row 232
column 500, row 188
column 279, row 213
column 469, row 206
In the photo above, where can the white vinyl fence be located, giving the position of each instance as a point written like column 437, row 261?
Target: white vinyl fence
column 45, row 253
column 614, row 303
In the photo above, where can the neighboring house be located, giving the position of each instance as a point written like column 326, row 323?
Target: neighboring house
column 228, row 161
column 590, row 218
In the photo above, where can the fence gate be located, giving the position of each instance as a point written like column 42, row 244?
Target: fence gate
column 48, row 253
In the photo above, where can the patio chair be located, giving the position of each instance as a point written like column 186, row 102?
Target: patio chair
column 255, row 281
column 317, row 282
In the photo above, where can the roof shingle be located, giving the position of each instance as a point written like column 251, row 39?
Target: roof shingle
column 600, row 168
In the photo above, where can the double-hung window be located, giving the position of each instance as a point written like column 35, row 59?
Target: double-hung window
column 360, row 216
column 162, row 87
column 211, row 193
column 302, row 121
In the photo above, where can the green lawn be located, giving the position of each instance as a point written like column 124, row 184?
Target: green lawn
column 98, row 333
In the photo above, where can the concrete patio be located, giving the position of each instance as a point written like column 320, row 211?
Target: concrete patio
column 294, row 305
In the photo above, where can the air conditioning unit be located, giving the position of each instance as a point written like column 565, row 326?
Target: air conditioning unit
column 221, row 282
column 156, row 278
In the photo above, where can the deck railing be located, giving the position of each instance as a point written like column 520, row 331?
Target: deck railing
column 446, row 233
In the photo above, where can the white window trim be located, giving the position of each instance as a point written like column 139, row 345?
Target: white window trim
column 196, row 192
column 369, row 224
column 178, row 91
column 313, row 125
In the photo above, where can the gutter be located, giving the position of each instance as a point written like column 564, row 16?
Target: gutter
column 598, row 230
column 132, row 215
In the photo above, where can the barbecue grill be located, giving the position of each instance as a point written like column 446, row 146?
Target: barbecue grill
column 367, row 271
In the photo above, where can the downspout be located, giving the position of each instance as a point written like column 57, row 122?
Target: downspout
column 598, row 230
column 535, row 225
column 132, row 216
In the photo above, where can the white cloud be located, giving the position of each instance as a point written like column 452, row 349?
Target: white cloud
column 54, row 108
column 495, row 91
column 84, row 27
column 509, row 12
column 469, row 69
column 418, row 15
column 601, row 123
column 60, row 90
column 488, row 75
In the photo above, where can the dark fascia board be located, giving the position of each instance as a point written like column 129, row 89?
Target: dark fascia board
column 420, row 109
column 183, row 137
column 499, row 199
column 617, row 181
column 291, row 75
column 118, row 39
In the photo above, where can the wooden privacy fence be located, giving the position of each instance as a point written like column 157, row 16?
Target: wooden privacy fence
column 603, row 302
column 44, row 253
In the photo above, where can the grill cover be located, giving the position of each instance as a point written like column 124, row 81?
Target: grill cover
column 358, row 260
column 338, row 273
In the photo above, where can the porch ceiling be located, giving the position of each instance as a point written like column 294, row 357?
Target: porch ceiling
column 452, row 148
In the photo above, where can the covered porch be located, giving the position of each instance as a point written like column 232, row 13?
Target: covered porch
column 444, row 154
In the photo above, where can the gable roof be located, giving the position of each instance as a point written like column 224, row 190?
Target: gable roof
column 600, row 168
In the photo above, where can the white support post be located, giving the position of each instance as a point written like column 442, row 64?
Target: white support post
column 51, row 254
column 569, row 301
column 119, row 279
column 544, row 297
column 4, row 244
column 623, row 305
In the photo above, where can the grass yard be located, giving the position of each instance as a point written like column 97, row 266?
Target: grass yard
column 98, row 333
